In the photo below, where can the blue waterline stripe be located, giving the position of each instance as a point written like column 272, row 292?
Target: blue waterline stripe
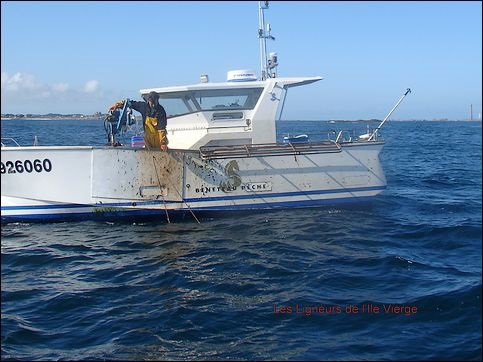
column 252, row 195
column 76, row 206
column 83, row 215
column 161, row 212
column 282, row 204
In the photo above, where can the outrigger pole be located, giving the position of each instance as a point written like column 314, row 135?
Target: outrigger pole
column 385, row 119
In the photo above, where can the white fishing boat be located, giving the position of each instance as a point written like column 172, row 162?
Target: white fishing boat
column 223, row 155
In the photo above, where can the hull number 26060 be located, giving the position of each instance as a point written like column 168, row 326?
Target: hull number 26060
column 26, row 166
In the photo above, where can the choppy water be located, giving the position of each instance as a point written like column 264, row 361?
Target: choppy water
column 241, row 286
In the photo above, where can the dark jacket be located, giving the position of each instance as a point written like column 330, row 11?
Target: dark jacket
column 145, row 110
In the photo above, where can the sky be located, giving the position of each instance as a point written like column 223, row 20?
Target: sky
column 81, row 57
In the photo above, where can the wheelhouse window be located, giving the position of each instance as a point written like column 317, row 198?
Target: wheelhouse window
column 180, row 103
column 176, row 104
column 227, row 99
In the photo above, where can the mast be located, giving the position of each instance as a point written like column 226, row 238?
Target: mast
column 266, row 65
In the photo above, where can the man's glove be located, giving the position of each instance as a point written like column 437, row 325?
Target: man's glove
column 116, row 106
column 163, row 139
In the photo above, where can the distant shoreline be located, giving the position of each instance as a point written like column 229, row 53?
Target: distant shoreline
column 53, row 119
column 378, row 120
column 282, row 120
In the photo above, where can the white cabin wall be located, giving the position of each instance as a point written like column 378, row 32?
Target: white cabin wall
column 192, row 131
column 185, row 131
column 265, row 113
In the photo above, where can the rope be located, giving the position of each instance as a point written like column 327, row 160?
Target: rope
column 162, row 196
column 159, row 183
column 179, row 194
column 189, row 208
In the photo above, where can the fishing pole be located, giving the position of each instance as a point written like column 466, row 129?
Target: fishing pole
column 385, row 119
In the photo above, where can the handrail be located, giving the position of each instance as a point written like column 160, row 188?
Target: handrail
column 268, row 149
column 10, row 139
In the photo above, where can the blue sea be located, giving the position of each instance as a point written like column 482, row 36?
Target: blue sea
column 398, row 278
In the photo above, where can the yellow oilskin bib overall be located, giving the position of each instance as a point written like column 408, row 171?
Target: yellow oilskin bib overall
column 154, row 138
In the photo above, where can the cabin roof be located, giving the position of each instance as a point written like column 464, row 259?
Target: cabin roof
column 286, row 82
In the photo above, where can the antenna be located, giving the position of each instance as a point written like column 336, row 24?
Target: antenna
column 266, row 64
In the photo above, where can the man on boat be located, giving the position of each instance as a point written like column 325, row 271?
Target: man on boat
column 154, row 121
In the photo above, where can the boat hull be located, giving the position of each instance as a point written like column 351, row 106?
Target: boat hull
column 108, row 183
